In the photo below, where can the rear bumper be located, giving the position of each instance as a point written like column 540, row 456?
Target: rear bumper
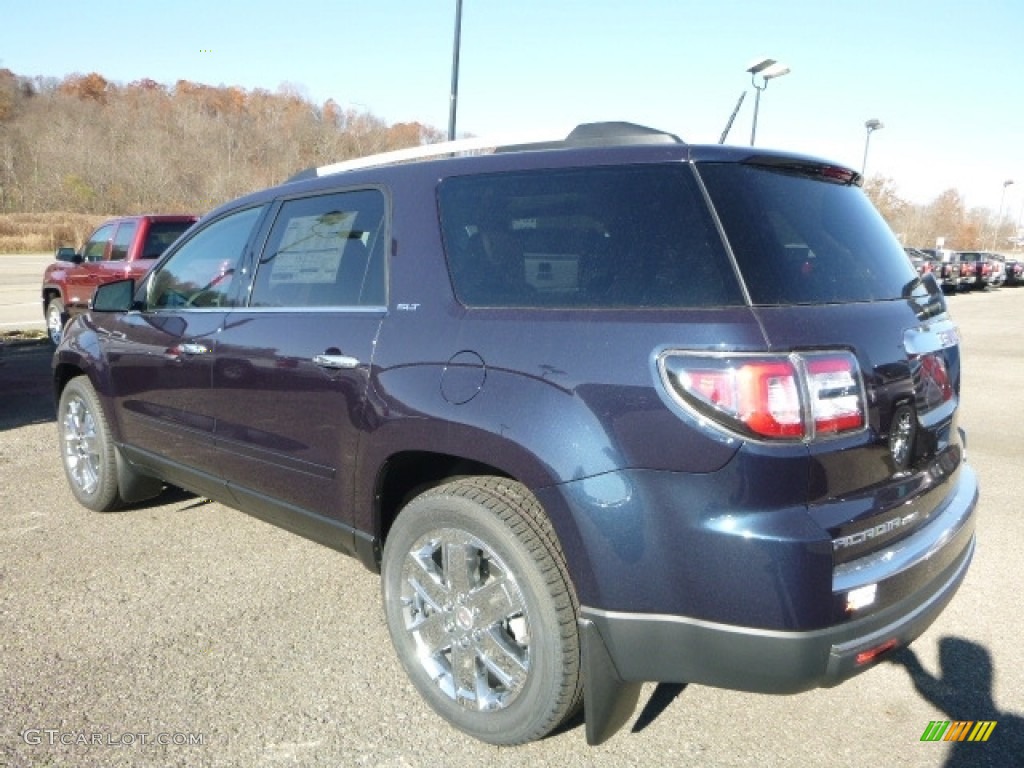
column 622, row 649
column 676, row 649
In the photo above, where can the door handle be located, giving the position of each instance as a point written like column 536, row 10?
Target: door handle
column 336, row 362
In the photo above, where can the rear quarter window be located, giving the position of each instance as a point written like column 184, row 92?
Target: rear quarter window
column 804, row 235
column 603, row 237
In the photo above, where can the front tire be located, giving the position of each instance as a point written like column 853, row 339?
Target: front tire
column 56, row 319
column 86, row 446
column 481, row 610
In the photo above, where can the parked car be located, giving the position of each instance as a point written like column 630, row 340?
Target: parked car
column 1014, row 269
column 980, row 268
column 998, row 264
column 603, row 410
column 119, row 248
column 950, row 270
column 923, row 263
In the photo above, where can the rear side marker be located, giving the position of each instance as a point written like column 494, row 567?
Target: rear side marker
column 872, row 654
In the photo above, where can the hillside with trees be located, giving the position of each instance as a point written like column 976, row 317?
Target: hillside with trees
column 86, row 147
column 77, row 149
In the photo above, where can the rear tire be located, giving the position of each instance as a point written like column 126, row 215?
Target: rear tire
column 481, row 610
column 87, row 449
column 56, row 319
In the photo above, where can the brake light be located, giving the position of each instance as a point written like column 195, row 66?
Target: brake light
column 777, row 397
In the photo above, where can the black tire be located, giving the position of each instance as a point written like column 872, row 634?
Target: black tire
column 87, row 450
column 56, row 319
column 494, row 649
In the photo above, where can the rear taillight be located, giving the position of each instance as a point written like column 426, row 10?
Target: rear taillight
column 800, row 396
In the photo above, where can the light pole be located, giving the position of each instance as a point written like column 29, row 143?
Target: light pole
column 769, row 69
column 872, row 125
column 454, row 97
column 999, row 218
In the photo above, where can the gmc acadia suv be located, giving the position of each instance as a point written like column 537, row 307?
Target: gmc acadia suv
column 602, row 410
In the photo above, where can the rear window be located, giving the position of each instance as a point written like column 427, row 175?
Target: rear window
column 611, row 237
column 161, row 234
column 802, row 234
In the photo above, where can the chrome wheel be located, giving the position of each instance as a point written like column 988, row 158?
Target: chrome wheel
column 55, row 321
column 81, row 446
column 467, row 618
column 87, row 448
column 481, row 610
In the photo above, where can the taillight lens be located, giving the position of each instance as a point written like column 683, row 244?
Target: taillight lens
column 779, row 397
column 835, row 393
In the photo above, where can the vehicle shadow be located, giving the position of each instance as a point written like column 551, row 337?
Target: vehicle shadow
column 171, row 494
column 963, row 692
column 661, row 697
column 26, row 394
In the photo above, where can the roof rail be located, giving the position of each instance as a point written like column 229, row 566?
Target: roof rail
column 424, row 151
column 588, row 134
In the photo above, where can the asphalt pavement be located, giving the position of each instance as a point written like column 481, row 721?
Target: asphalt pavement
column 21, row 277
column 185, row 633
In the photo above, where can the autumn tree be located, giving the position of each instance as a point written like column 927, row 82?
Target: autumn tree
column 85, row 144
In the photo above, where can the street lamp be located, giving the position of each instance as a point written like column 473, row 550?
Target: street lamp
column 999, row 218
column 769, row 69
column 872, row 125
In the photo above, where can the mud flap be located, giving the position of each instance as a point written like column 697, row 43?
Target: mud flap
column 132, row 485
column 608, row 701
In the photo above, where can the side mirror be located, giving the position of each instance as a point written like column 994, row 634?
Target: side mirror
column 117, row 296
column 66, row 253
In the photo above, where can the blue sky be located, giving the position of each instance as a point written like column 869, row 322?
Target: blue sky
column 942, row 75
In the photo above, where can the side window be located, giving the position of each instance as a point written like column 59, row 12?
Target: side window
column 123, row 238
column 97, row 244
column 603, row 237
column 202, row 271
column 325, row 251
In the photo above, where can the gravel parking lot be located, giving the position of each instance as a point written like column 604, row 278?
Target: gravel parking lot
column 185, row 633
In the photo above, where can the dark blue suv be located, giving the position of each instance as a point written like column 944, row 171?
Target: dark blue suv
column 602, row 410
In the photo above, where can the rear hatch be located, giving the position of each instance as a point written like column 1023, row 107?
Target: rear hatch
column 823, row 272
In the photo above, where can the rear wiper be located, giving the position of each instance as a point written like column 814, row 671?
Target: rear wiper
column 909, row 288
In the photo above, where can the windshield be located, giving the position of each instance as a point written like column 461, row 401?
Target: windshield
column 803, row 234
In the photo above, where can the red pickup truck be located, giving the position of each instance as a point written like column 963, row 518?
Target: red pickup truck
column 124, row 247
